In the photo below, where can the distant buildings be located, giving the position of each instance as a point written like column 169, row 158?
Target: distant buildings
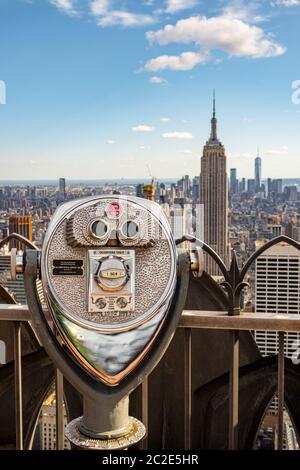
column 277, row 291
column 61, row 190
column 234, row 183
column 214, row 197
column 146, row 191
column 21, row 225
column 47, row 426
column 257, row 172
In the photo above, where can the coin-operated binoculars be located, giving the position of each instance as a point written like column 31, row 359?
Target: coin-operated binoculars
column 115, row 287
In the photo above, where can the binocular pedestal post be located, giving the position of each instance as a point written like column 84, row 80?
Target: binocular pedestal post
column 105, row 425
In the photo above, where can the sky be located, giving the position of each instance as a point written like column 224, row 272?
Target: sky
column 123, row 88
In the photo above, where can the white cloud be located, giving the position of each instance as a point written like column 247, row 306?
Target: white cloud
column 242, row 10
column 178, row 135
column 285, row 3
column 110, row 17
column 158, row 80
column 187, row 152
column 164, row 119
column 125, row 18
column 284, row 150
column 142, row 128
column 184, row 61
column 144, row 147
column 110, row 142
column 99, row 7
column 231, row 35
column 174, row 6
column 65, row 5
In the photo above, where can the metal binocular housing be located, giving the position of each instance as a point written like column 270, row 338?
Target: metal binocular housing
column 115, row 287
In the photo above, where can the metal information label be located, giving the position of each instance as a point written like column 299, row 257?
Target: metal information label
column 111, row 282
column 67, row 267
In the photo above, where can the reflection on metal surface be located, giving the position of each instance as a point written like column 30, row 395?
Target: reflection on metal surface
column 112, row 357
column 109, row 302
column 136, row 434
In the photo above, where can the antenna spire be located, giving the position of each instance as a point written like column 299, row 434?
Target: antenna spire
column 213, row 134
column 214, row 103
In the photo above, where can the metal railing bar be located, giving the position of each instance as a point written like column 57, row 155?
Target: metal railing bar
column 281, row 338
column 234, row 391
column 59, row 405
column 20, row 313
column 195, row 319
column 145, row 416
column 245, row 321
column 187, row 388
column 18, row 385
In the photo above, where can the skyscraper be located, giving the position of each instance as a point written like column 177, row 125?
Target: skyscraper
column 234, row 184
column 61, row 190
column 214, row 196
column 257, row 173
column 277, row 291
column 21, row 225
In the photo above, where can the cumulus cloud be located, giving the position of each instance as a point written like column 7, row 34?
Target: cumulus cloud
column 99, row 7
column 110, row 142
column 231, row 35
column 187, row 152
column 158, row 80
column 124, row 18
column 184, row 61
column 142, row 128
column 178, row 135
column 164, row 119
column 175, row 6
column 106, row 16
column 285, row 3
column 242, row 10
column 65, row 5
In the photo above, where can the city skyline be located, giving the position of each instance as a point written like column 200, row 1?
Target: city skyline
column 79, row 105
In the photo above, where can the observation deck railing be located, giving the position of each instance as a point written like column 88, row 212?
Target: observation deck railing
column 234, row 321
column 190, row 319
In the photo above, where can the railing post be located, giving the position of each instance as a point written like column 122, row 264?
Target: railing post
column 187, row 388
column 144, row 411
column 281, row 337
column 59, row 404
column 18, row 385
column 234, row 391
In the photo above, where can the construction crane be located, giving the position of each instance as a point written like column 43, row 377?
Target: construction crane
column 149, row 189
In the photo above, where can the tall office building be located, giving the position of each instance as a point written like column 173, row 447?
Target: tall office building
column 149, row 191
column 242, row 185
column 61, row 190
column 47, row 425
column 196, row 189
column 277, row 291
column 275, row 230
column 234, row 184
column 251, row 186
column 139, row 190
column 257, row 174
column 214, row 196
column 21, row 225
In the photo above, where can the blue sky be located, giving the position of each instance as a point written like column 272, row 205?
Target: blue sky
column 103, row 88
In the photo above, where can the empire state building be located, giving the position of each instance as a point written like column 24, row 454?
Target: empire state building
column 214, row 196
